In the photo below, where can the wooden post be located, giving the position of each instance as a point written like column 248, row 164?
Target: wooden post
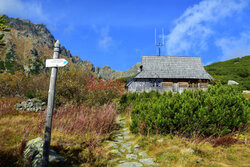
column 50, row 108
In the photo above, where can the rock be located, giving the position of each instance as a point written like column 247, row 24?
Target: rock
column 187, row 151
column 126, row 146
column 199, row 160
column 142, row 154
column 131, row 156
column 246, row 91
column 136, row 146
column 175, row 147
column 113, row 145
column 136, row 150
column 118, row 138
column 116, row 153
column 34, row 152
column 123, row 150
column 117, row 141
column 160, row 140
column 232, row 82
column 33, row 105
column 147, row 161
column 130, row 164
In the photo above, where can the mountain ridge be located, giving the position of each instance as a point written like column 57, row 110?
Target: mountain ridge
column 29, row 44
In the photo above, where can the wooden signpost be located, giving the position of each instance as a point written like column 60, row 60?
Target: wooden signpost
column 54, row 64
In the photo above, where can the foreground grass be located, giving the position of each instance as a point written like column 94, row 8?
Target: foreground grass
column 77, row 133
column 174, row 151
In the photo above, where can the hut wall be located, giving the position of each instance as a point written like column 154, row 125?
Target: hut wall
column 161, row 85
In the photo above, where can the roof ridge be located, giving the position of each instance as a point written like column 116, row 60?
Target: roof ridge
column 171, row 56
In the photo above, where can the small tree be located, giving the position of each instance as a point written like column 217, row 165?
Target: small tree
column 3, row 27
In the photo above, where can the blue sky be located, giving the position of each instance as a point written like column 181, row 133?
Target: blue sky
column 118, row 32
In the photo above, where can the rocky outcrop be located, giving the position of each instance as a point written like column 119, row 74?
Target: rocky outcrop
column 28, row 45
column 107, row 73
column 34, row 151
column 33, row 105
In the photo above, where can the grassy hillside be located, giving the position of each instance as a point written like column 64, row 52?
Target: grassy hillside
column 237, row 69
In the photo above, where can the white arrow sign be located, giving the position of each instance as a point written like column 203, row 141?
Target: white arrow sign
column 56, row 62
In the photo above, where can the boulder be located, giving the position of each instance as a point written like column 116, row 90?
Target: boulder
column 232, row 82
column 246, row 91
column 32, row 105
column 34, row 151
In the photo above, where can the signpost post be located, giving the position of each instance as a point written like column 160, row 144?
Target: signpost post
column 54, row 64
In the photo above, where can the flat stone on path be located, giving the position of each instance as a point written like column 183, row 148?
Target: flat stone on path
column 130, row 164
column 147, row 161
column 142, row 154
column 131, row 156
column 113, row 145
column 115, row 152
column 125, row 152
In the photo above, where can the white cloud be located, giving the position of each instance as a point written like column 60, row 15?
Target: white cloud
column 23, row 9
column 235, row 47
column 194, row 27
column 105, row 41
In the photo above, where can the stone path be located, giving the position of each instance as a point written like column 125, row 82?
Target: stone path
column 124, row 151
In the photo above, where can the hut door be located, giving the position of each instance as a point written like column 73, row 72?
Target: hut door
column 175, row 87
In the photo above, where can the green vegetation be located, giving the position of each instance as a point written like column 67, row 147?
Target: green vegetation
column 3, row 27
column 36, row 66
column 237, row 69
column 71, row 87
column 216, row 112
column 10, row 63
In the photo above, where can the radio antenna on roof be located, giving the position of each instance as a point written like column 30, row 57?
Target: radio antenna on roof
column 159, row 44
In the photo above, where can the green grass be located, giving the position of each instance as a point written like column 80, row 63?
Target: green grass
column 237, row 69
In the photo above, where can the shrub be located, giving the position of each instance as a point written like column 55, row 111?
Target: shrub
column 7, row 106
column 77, row 132
column 218, row 111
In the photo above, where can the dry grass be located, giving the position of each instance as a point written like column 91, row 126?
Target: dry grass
column 77, row 133
column 7, row 106
column 247, row 96
column 175, row 151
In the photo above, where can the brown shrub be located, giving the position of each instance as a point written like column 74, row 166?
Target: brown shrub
column 225, row 141
column 7, row 106
column 82, row 120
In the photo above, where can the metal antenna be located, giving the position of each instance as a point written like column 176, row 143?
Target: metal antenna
column 163, row 36
column 160, row 43
column 155, row 36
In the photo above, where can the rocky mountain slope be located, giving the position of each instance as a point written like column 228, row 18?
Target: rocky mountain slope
column 28, row 45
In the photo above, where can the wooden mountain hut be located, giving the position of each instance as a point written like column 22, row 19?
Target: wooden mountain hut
column 169, row 73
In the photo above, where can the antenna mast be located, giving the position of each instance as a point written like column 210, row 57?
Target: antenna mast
column 159, row 44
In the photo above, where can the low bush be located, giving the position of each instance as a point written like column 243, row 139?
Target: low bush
column 72, row 86
column 7, row 106
column 218, row 111
column 77, row 133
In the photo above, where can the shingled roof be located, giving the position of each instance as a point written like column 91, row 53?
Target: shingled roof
column 172, row 67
